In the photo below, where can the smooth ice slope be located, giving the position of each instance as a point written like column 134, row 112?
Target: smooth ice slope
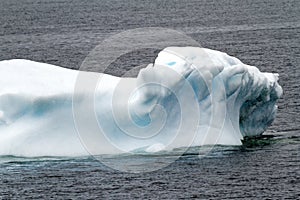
column 189, row 96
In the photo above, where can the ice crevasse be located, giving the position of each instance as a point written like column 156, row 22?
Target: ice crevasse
column 189, row 96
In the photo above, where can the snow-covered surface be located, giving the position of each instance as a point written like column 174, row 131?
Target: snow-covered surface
column 189, row 96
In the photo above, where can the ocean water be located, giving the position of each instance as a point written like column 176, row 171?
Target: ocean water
column 261, row 33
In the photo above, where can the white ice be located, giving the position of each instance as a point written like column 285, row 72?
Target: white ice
column 189, row 96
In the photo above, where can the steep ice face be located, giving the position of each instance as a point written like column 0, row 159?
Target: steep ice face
column 231, row 93
column 189, row 96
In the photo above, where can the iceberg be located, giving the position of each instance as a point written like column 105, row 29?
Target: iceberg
column 189, row 96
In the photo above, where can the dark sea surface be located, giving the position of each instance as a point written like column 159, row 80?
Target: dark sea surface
column 263, row 33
